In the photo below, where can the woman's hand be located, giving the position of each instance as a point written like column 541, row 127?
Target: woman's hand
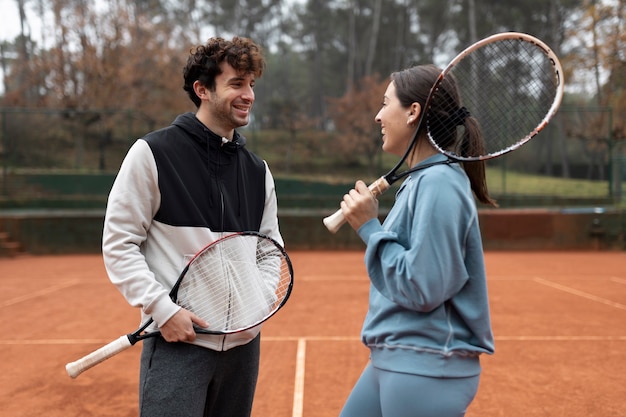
column 359, row 205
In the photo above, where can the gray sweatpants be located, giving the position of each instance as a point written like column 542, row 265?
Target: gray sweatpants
column 180, row 379
column 380, row 393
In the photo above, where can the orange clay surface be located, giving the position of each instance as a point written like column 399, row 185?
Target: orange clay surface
column 559, row 320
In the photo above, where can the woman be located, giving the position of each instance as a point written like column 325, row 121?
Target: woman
column 428, row 318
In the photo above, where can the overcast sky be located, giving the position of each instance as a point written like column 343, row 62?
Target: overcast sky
column 9, row 18
column 10, row 21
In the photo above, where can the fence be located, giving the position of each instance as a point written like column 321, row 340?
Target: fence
column 576, row 157
column 54, row 154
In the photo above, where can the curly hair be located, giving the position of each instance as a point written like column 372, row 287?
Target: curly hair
column 204, row 62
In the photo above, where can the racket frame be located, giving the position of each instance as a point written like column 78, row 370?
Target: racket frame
column 382, row 184
column 124, row 342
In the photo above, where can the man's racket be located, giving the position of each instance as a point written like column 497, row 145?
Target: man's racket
column 512, row 83
column 235, row 283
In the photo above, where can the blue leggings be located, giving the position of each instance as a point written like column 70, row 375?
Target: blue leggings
column 380, row 393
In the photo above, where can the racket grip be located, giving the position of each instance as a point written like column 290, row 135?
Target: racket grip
column 105, row 352
column 334, row 222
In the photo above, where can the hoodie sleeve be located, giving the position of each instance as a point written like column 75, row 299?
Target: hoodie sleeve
column 133, row 201
column 417, row 259
column 269, row 222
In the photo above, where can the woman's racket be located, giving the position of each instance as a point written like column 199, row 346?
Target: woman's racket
column 512, row 83
column 234, row 284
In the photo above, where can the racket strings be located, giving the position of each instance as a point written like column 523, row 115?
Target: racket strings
column 509, row 86
column 236, row 283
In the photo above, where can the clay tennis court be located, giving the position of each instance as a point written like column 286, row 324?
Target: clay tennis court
column 559, row 319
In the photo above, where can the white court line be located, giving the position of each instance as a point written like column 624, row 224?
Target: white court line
column 311, row 338
column 54, row 341
column 298, row 390
column 104, row 341
column 35, row 294
column 559, row 338
column 580, row 293
column 334, row 278
column 302, row 341
column 618, row 280
column 530, row 278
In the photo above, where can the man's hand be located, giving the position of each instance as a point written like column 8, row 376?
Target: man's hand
column 179, row 328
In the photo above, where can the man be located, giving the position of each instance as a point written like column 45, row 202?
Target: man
column 178, row 189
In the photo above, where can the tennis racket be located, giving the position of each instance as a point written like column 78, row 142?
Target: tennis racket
column 235, row 283
column 512, row 83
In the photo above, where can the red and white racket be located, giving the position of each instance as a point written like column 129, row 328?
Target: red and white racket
column 234, row 284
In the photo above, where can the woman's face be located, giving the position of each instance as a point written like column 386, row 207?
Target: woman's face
column 397, row 123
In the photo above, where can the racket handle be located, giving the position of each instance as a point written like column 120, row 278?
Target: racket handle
column 105, row 352
column 334, row 222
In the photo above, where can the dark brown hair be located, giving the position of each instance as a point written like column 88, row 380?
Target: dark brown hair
column 204, row 60
column 413, row 86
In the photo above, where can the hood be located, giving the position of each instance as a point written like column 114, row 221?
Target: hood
column 199, row 132
column 214, row 145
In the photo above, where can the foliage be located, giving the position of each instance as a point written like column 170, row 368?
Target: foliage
column 597, row 41
column 353, row 115
column 322, row 56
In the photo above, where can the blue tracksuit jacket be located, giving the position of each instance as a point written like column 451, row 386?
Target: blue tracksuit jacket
column 428, row 308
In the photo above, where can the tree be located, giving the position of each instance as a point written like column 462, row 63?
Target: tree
column 596, row 58
column 353, row 115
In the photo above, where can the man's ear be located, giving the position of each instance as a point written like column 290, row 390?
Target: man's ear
column 201, row 91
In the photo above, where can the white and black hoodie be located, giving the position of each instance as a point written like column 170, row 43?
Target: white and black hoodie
column 178, row 189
